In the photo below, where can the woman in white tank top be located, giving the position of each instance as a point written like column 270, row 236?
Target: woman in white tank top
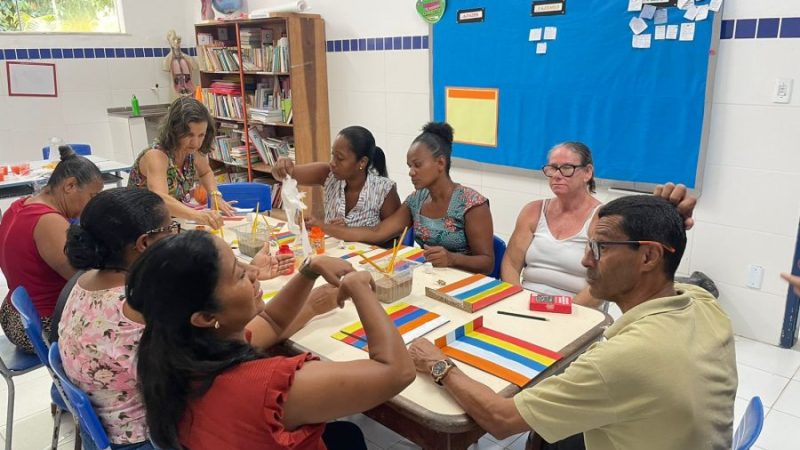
column 549, row 239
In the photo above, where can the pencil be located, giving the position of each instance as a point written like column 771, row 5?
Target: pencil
column 360, row 338
column 524, row 316
column 371, row 262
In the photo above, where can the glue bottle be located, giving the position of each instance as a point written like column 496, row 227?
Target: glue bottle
column 285, row 250
column 317, row 238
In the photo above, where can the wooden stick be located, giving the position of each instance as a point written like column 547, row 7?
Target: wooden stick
column 216, row 208
column 372, row 263
column 390, row 266
column 402, row 236
column 255, row 220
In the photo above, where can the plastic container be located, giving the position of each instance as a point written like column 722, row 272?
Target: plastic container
column 135, row 111
column 285, row 250
column 317, row 239
column 21, row 169
column 398, row 284
column 251, row 243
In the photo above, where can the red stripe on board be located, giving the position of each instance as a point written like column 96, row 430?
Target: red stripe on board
column 519, row 342
column 495, row 298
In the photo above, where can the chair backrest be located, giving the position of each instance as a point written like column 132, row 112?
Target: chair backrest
column 80, row 149
column 499, row 250
column 750, row 426
column 30, row 321
column 409, row 239
column 79, row 401
column 248, row 195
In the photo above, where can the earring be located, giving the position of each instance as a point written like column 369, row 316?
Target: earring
column 216, row 325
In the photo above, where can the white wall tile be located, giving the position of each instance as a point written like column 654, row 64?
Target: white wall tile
column 749, row 199
column 524, row 181
column 505, row 205
column 85, row 75
column 31, row 112
column 363, row 71
column 407, row 113
column 85, row 107
column 740, row 81
column 407, row 71
column 712, row 254
column 746, row 9
column 765, row 137
column 467, row 172
column 3, row 92
column 754, row 314
column 337, row 71
column 367, row 109
column 139, row 73
column 98, row 135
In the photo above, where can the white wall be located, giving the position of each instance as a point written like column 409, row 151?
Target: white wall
column 87, row 87
column 748, row 212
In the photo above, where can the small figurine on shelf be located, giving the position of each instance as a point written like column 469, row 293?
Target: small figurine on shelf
column 180, row 65
column 206, row 11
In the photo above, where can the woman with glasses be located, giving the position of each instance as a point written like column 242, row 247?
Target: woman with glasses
column 550, row 236
column 98, row 330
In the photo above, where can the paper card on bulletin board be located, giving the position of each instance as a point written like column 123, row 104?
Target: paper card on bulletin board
column 472, row 112
column 31, row 79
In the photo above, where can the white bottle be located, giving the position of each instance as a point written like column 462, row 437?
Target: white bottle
column 55, row 142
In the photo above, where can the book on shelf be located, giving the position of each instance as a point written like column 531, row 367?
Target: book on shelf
column 280, row 59
column 270, row 149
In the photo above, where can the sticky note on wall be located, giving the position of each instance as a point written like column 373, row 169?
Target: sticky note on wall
column 473, row 114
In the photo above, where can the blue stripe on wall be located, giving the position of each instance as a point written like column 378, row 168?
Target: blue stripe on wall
column 87, row 53
column 762, row 28
column 378, row 44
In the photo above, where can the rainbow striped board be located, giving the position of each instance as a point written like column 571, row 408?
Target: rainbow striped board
column 287, row 237
column 501, row 355
column 410, row 253
column 411, row 321
column 355, row 253
column 473, row 293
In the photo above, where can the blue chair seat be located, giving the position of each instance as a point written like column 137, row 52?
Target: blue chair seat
column 247, row 195
column 499, row 251
column 750, row 425
column 15, row 359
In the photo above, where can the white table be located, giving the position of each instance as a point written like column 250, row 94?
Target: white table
column 40, row 174
column 423, row 412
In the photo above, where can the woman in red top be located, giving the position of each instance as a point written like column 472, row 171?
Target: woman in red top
column 204, row 387
column 32, row 236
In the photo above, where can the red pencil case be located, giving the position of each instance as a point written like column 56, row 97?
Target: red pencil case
column 551, row 303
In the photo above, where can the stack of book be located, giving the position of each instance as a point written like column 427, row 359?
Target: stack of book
column 217, row 58
column 280, row 59
column 270, row 149
column 257, row 49
column 224, row 99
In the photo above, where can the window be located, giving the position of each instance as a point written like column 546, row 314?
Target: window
column 63, row 16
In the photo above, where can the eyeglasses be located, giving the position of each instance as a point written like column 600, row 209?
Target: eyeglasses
column 595, row 246
column 173, row 228
column 567, row 170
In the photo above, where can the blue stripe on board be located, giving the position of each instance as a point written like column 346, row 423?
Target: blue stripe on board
column 484, row 287
column 503, row 353
column 400, row 321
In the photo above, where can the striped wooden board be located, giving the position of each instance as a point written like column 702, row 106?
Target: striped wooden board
column 473, row 293
column 411, row 321
column 501, row 355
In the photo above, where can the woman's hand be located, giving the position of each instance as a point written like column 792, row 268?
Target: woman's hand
column 312, row 221
column 438, row 256
column 355, row 282
column 332, row 269
column 324, row 299
column 271, row 266
column 283, row 166
column 208, row 217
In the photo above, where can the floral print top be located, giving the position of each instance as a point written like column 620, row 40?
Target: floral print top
column 448, row 231
column 98, row 347
column 179, row 182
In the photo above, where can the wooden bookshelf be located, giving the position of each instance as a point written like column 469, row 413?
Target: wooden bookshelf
column 307, row 80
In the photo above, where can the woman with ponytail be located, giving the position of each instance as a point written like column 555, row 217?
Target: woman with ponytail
column 32, row 236
column 99, row 331
column 358, row 192
column 451, row 222
column 205, row 386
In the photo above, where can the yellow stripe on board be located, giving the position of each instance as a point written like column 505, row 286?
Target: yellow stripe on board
column 482, row 295
column 544, row 360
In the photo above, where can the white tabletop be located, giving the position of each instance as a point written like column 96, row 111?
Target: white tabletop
column 560, row 331
column 40, row 172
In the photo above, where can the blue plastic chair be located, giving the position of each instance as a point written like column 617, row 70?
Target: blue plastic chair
column 247, row 195
column 408, row 241
column 80, row 149
column 33, row 328
column 750, row 426
column 79, row 403
column 13, row 362
column 499, row 250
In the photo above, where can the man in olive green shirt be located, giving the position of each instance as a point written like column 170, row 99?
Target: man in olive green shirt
column 665, row 378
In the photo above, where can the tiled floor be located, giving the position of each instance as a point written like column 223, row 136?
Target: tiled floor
column 770, row 372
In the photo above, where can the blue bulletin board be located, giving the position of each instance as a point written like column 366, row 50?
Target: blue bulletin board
column 644, row 112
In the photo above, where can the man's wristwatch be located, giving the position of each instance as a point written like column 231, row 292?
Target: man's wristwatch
column 307, row 271
column 440, row 370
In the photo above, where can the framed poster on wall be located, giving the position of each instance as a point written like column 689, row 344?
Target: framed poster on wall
column 28, row 79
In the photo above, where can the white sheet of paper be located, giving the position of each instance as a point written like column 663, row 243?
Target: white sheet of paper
column 637, row 25
column 641, row 40
column 702, row 13
column 672, row 32
column 691, row 13
column 683, row 4
column 535, row 34
column 661, row 32
column 634, row 5
column 660, row 16
column 541, row 48
column 550, row 33
column 715, row 5
column 687, row 31
column 648, row 11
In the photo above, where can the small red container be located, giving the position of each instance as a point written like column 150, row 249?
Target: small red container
column 285, row 250
column 551, row 303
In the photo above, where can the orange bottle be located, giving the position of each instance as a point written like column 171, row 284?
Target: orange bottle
column 317, row 240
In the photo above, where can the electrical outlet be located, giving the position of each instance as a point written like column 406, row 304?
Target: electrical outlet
column 783, row 90
column 755, row 276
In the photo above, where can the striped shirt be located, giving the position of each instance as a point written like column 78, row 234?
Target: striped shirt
column 367, row 211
